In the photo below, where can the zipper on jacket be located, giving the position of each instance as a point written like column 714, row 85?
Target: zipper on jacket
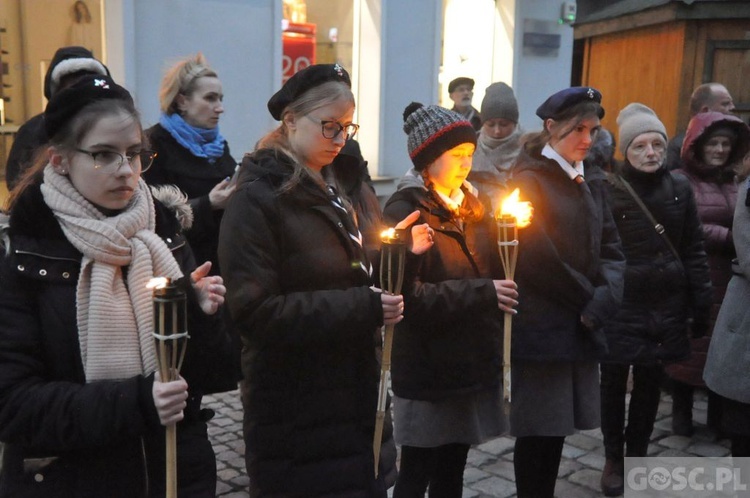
column 145, row 468
column 44, row 256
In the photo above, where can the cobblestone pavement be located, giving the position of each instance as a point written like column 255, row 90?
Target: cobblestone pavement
column 489, row 470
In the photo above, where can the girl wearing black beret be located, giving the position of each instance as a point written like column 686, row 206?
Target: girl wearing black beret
column 300, row 292
column 570, row 279
column 82, row 412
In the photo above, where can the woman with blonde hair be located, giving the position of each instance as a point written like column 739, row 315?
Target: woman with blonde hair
column 191, row 152
column 300, row 292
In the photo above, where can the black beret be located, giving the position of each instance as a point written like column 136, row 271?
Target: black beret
column 304, row 80
column 69, row 101
column 564, row 99
column 461, row 80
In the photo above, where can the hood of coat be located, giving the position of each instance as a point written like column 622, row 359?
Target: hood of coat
column 266, row 163
column 276, row 167
column 700, row 127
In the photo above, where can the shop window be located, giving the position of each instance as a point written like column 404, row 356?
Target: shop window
column 317, row 32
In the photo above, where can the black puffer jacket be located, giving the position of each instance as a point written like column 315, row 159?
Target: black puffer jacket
column 661, row 292
column 196, row 176
column 450, row 341
column 64, row 437
column 310, row 330
column 570, row 263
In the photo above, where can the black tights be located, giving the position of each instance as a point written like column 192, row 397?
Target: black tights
column 536, row 461
column 440, row 468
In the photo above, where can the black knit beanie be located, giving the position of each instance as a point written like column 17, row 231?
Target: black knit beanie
column 433, row 130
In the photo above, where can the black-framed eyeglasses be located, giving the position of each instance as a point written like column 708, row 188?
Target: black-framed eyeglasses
column 111, row 161
column 332, row 129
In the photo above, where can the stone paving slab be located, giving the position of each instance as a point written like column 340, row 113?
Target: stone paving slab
column 489, row 469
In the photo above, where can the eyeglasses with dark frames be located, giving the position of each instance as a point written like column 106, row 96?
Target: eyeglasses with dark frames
column 332, row 129
column 111, row 161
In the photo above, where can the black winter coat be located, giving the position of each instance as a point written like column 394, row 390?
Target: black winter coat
column 661, row 292
column 570, row 263
column 450, row 341
column 31, row 135
column 68, row 438
column 195, row 176
column 310, row 331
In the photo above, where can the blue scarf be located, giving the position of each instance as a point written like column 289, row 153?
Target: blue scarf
column 201, row 142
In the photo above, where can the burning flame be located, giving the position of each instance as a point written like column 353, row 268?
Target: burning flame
column 389, row 235
column 522, row 211
column 157, row 283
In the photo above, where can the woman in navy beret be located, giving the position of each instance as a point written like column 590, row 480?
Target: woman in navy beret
column 570, row 276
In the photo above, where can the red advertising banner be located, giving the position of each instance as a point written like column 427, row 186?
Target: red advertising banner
column 298, row 46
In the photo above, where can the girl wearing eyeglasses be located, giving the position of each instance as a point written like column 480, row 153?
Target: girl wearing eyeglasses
column 301, row 295
column 82, row 412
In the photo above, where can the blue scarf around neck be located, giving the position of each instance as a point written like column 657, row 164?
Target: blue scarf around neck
column 201, row 142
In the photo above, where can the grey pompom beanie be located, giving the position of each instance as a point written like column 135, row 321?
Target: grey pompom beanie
column 499, row 102
column 433, row 130
column 636, row 119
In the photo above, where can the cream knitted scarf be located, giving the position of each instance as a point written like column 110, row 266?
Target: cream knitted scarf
column 115, row 319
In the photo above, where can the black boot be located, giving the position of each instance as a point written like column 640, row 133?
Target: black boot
column 682, row 409
column 612, row 481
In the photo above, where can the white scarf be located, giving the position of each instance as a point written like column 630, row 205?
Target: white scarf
column 115, row 320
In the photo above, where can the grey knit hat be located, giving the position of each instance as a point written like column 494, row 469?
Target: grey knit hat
column 636, row 119
column 433, row 130
column 499, row 102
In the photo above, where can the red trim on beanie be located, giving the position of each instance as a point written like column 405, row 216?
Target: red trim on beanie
column 439, row 134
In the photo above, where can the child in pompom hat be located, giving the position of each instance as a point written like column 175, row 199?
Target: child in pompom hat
column 447, row 352
column 569, row 274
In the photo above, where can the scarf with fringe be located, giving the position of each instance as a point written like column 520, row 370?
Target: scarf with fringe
column 115, row 313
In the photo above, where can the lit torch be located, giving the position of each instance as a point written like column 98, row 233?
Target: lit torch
column 170, row 333
column 512, row 215
column 392, row 255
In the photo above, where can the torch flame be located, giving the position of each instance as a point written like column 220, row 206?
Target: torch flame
column 388, row 235
column 522, row 211
column 157, row 283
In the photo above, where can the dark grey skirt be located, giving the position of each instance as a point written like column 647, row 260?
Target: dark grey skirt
column 467, row 419
column 554, row 398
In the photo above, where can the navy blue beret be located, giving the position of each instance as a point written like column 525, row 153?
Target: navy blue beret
column 304, row 80
column 564, row 99
column 68, row 102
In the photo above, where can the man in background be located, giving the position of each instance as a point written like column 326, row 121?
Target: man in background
column 706, row 97
column 461, row 91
